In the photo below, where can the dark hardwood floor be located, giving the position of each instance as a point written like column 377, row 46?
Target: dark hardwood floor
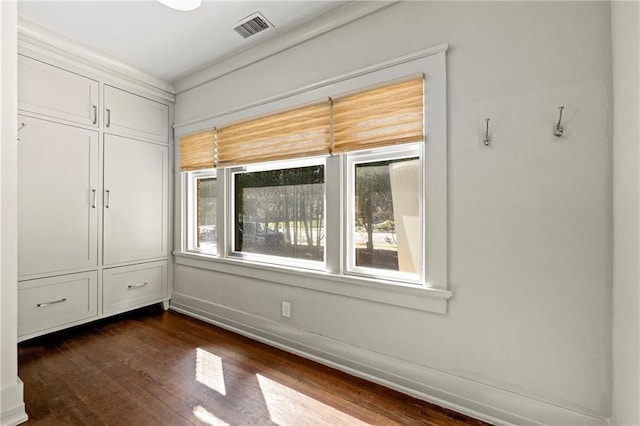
column 151, row 367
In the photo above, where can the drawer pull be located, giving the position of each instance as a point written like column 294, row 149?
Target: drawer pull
column 42, row 305
column 142, row 284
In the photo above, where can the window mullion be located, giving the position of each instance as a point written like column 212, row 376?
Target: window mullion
column 333, row 209
column 222, row 212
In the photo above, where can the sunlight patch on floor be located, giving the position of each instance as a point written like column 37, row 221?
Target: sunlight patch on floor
column 205, row 416
column 288, row 407
column 209, row 371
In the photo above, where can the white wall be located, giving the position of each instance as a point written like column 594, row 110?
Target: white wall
column 530, row 218
column 11, row 402
column 626, row 204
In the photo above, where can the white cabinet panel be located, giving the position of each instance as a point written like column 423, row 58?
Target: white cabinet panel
column 132, row 286
column 52, row 91
column 135, row 200
column 58, row 195
column 50, row 302
column 131, row 115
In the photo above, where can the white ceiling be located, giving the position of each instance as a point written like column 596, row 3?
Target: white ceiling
column 163, row 42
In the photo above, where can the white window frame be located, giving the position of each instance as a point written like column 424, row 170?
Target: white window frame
column 230, row 193
column 191, row 211
column 351, row 160
column 432, row 295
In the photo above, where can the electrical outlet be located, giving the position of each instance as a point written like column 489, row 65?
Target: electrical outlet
column 286, row 309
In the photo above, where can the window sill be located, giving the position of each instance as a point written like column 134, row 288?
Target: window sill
column 379, row 291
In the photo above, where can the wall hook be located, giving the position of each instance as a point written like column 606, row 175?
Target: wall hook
column 20, row 128
column 558, row 130
column 486, row 138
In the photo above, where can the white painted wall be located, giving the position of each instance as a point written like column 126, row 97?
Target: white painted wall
column 11, row 401
column 530, row 217
column 625, row 19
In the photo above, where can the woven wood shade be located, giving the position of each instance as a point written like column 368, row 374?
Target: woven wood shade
column 291, row 134
column 383, row 116
column 197, row 151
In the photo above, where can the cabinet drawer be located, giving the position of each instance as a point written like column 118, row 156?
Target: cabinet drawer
column 131, row 115
column 50, row 302
column 54, row 92
column 131, row 286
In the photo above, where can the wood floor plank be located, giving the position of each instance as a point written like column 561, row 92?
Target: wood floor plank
column 151, row 367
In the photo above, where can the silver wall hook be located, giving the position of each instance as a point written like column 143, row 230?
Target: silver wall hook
column 558, row 130
column 20, row 128
column 486, row 138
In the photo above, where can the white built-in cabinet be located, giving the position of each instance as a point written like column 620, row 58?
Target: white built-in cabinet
column 58, row 184
column 131, row 115
column 54, row 92
column 93, row 196
column 136, row 177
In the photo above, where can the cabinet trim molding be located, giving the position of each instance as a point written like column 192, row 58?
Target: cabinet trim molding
column 47, row 42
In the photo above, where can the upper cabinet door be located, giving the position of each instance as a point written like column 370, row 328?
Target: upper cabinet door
column 136, row 197
column 58, row 197
column 54, row 92
column 131, row 115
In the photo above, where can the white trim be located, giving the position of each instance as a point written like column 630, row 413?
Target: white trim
column 200, row 121
column 334, row 18
column 15, row 414
column 432, row 64
column 353, row 159
column 475, row 399
column 45, row 41
column 190, row 213
column 385, row 292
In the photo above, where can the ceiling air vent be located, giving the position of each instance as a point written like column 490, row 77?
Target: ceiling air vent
column 251, row 25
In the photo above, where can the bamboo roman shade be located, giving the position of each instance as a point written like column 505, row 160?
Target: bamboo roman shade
column 373, row 118
column 291, row 134
column 197, row 151
column 378, row 117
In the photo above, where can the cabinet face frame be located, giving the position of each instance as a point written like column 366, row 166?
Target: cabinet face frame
column 73, row 97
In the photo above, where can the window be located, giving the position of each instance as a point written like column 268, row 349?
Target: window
column 339, row 187
column 384, row 213
column 202, row 220
column 279, row 211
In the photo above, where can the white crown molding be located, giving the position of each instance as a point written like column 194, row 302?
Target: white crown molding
column 334, row 18
column 475, row 399
column 42, row 37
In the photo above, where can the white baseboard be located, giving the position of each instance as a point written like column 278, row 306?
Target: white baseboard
column 478, row 400
column 13, row 409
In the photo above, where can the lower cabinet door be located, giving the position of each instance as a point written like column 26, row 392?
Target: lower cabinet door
column 128, row 287
column 47, row 303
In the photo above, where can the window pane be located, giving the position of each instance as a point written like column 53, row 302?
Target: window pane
column 206, row 214
column 280, row 212
column 387, row 215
